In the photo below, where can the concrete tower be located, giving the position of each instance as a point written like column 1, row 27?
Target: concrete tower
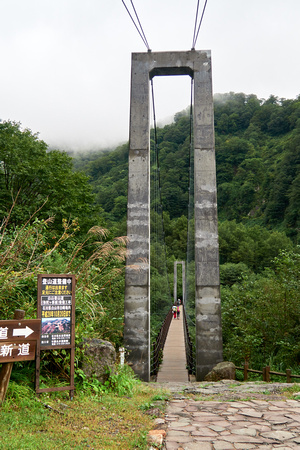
column 145, row 66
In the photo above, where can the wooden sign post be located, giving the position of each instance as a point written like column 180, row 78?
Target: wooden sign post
column 18, row 339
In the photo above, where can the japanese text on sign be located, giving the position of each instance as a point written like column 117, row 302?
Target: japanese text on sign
column 56, row 310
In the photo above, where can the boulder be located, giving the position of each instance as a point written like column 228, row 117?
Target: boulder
column 223, row 371
column 156, row 437
column 99, row 357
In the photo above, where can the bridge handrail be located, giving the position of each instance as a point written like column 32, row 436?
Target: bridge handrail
column 266, row 372
column 158, row 345
column 189, row 350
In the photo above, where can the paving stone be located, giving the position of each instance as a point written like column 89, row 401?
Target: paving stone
column 293, row 417
column 236, row 417
column 203, row 438
column 205, row 419
column 222, row 446
column 280, row 447
column 216, row 428
column 260, row 428
column 244, row 431
column 244, row 446
column 240, row 425
column 279, row 435
column 189, row 428
column 179, row 423
column 175, row 409
column 175, row 433
column 205, row 415
column 283, row 404
column 220, row 423
column 249, row 412
column 198, row 446
column 259, row 403
column 191, row 408
column 179, row 439
column 248, row 439
column 204, row 432
column 277, row 419
column 293, row 402
column 171, row 445
column 237, row 405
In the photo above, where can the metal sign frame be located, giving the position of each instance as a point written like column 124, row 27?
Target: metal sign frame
column 56, row 310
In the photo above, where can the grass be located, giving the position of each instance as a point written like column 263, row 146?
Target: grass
column 290, row 392
column 106, row 421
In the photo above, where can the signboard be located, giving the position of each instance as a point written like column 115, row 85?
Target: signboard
column 56, row 304
column 56, row 309
column 18, row 339
column 11, row 351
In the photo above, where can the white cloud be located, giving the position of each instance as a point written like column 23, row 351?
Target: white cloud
column 65, row 64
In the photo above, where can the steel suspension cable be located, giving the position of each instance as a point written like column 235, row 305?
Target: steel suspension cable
column 154, row 221
column 195, row 37
column 159, row 188
column 190, row 257
column 140, row 31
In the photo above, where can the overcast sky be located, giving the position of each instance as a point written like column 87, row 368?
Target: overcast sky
column 65, row 64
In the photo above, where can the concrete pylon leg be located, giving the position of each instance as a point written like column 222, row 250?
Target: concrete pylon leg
column 209, row 345
column 137, row 277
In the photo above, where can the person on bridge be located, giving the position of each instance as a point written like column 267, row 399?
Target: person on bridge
column 174, row 310
column 178, row 311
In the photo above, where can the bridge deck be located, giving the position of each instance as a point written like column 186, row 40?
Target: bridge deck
column 173, row 367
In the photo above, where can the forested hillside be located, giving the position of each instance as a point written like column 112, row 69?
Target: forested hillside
column 67, row 214
column 257, row 161
column 257, row 157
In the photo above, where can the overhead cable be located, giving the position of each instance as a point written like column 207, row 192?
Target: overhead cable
column 139, row 28
column 195, row 37
column 159, row 191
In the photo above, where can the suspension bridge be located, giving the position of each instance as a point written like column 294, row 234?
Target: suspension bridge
column 173, row 349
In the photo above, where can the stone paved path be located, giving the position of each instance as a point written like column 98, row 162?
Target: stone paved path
column 193, row 423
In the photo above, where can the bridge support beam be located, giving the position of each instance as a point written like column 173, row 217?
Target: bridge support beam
column 145, row 66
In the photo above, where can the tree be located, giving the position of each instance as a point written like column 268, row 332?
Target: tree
column 254, row 245
column 261, row 316
column 38, row 181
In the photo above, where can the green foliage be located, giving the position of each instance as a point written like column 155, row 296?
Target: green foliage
column 97, row 263
column 231, row 273
column 104, row 420
column 47, row 210
column 257, row 161
column 120, row 381
column 252, row 245
column 36, row 181
column 261, row 315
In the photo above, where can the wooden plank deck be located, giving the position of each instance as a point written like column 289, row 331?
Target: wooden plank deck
column 173, row 367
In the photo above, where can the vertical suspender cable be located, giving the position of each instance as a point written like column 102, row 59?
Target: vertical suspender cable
column 190, row 237
column 159, row 190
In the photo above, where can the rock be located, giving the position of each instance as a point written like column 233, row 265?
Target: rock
column 99, row 357
column 153, row 412
column 223, row 371
column 156, row 437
